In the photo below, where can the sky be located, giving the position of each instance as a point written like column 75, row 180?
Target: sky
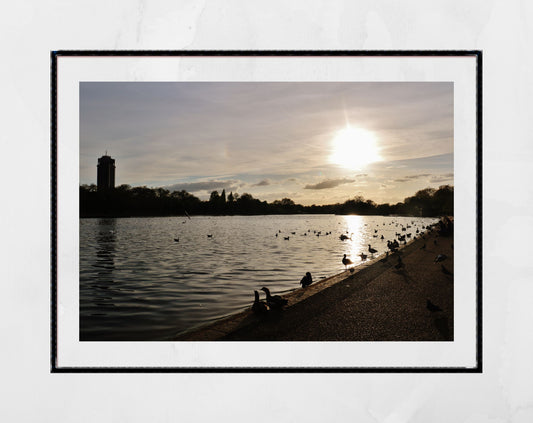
column 312, row 142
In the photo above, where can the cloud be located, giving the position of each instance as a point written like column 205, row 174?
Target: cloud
column 441, row 178
column 411, row 177
column 229, row 185
column 330, row 183
column 361, row 175
column 262, row 183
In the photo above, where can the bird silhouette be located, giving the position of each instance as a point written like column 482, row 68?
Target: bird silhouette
column 177, row 239
column 286, row 238
column 346, row 261
column 210, row 235
column 363, row 256
column 371, row 250
column 432, row 307
column 306, row 280
column 274, row 301
column 259, row 307
column 440, row 257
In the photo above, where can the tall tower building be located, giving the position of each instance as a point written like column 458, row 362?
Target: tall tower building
column 106, row 173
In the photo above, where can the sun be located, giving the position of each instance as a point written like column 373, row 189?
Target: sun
column 354, row 148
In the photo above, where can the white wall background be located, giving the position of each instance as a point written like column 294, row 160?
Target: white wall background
column 29, row 30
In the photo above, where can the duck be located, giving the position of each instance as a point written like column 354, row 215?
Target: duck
column 440, row 257
column 286, row 238
column 432, row 307
column 210, row 235
column 176, row 239
column 346, row 261
column 259, row 307
column 306, row 280
column 371, row 250
column 274, row 301
column 363, row 256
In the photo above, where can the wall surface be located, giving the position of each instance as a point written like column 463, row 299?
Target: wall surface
column 502, row 29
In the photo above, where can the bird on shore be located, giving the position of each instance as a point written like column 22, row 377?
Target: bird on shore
column 445, row 271
column 432, row 307
column 363, row 256
column 440, row 257
column 259, row 307
column 274, row 301
column 346, row 261
column 306, row 280
column 371, row 250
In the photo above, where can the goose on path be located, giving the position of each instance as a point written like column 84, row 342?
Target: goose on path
column 259, row 307
column 432, row 307
column 274, row 301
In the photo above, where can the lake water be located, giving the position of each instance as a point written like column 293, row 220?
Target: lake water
column 138, row 283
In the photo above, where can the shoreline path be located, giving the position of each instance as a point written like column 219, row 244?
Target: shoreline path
column 377, row 302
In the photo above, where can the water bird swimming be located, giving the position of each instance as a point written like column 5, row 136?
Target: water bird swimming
column 432, row 307
column 286, row 238
column 343, row 237
column 210, row 235
column 177, row 239
column 259, row 307
column 306, row 280
column 274, row 301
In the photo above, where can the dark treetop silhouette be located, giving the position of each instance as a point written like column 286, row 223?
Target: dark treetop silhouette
column 125, row 200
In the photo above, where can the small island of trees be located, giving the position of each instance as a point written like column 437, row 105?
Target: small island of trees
column 127, row 201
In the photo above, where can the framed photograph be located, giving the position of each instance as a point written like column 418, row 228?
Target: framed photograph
column 266, row 211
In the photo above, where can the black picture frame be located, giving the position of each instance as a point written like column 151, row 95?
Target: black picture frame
column 477, row 54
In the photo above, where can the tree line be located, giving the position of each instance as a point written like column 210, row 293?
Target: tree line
column 125, row 201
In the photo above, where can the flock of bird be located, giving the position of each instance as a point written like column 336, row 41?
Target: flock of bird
column 276, row 302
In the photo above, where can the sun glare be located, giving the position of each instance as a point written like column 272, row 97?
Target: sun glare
column 354, row 148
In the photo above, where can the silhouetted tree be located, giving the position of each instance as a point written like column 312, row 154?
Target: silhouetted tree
column 142, row 201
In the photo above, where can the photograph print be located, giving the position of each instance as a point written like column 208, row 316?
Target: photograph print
column 267, row 212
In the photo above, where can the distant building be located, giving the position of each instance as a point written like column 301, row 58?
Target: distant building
column 106, row 173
